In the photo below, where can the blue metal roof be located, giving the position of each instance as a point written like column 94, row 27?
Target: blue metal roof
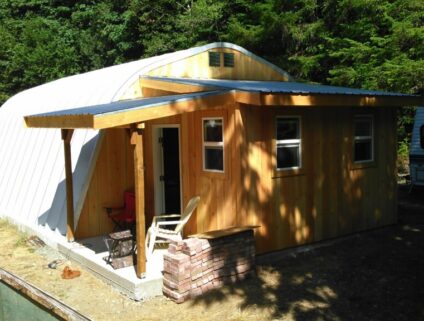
column 125, row 105
column 220, row 86
column 296, row 88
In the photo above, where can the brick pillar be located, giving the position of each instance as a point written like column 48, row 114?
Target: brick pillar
column 195, row 266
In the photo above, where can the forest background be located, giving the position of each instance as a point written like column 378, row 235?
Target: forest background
column 370, row 44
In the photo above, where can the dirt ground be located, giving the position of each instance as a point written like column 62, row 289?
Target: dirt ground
column 376, row 275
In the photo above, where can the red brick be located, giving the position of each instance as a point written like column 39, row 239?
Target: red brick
column 205, row 288
column 177, row 278
column 175, row 296
column 195, row 292
column 180, row 287
column 172, row 248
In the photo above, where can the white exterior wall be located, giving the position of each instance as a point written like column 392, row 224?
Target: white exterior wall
column 32, row 175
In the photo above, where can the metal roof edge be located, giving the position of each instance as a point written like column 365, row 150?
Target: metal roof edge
column 222, row 83
column 155, row 103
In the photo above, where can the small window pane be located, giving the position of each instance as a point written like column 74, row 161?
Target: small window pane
column 228, row 59
column 214, row 158
column 422, row 136
column 363, row 127
column 363, row 150
column 288, row 156
column 212, row 130
column 288, row 128
column 214, row 59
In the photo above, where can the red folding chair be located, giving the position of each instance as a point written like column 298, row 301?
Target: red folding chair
column 123, row 217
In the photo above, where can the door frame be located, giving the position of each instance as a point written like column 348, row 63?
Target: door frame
column 159, row 193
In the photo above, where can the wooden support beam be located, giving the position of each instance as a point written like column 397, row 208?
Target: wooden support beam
column 137, row 143
column 66, row 137
column 59, row 121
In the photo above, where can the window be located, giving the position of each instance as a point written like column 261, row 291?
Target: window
column 214, row 59
column 288, row 143
column 213, row 144
column 228, row 59
column 363, row 139
column 422, row 136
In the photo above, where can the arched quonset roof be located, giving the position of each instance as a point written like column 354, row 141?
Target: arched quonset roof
column 32, row 189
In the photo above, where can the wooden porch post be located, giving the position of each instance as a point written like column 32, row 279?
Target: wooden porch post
column 66, row 137
column 137, row 143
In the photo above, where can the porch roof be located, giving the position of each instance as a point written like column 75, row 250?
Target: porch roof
column 125, row 112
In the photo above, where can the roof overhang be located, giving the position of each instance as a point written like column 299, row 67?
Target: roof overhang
column 195, row 94
column 289, row 94
column 123, row 113
column 324, row 100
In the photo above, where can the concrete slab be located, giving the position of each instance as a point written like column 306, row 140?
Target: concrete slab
column 90, row 253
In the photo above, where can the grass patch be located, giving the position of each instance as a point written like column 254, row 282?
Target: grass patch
column 21, row 241
column 21, row 237
column 4, row 223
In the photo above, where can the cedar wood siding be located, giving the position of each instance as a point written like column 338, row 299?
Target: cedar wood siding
column 328, row 197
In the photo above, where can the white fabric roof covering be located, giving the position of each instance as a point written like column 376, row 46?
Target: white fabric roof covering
column 32, row 189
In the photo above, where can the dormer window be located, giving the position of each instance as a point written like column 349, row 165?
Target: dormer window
column 214, row 59
column 228, row 59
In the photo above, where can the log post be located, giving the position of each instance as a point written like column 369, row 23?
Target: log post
column 137, row 143
column 66, row 137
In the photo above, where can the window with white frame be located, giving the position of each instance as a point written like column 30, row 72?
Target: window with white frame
column 288, row 143
column 213, row 144
column 363, row 149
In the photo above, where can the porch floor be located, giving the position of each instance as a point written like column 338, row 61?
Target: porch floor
column 90, row 253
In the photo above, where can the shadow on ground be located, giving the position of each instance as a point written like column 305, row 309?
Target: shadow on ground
column 376, row 275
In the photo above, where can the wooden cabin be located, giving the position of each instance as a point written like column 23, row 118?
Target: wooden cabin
column 304, row 162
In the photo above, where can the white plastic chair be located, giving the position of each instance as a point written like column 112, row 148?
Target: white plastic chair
column 157, row 234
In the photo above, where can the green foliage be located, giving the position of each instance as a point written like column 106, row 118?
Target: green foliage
column 403, row 149
column 372, row 44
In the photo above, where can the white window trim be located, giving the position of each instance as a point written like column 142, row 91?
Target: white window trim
column 289, row 143
column 364, row 138
column 213, row 144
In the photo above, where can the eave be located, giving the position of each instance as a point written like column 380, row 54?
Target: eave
column 84, row 118
column 191, row 95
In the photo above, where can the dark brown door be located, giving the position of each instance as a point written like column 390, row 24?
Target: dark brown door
column 171, row 168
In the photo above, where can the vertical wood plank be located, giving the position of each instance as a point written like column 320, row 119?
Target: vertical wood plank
column 137, row 143
column 66, row 137
column 318, row 172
